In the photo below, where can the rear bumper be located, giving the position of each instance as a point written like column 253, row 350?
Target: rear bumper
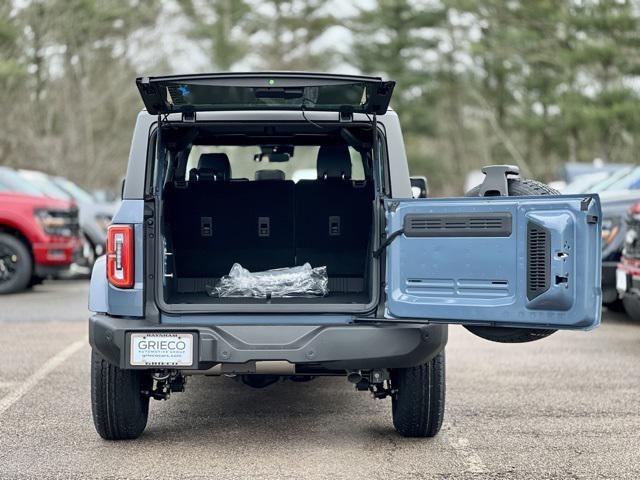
column 45, row 271
column 336, row 347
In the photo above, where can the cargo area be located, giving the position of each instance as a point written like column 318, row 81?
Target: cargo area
column 267, row 203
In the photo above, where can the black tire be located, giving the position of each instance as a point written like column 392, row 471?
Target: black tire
column 120, row 410
column 16, row 264
column 632, row 306
column 615, row 306
column 520, row 187
column 89, row 254
column 418, row 404
column 35, row 280
column 517, row 187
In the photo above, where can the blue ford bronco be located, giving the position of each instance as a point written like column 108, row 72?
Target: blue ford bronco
column 252, row 177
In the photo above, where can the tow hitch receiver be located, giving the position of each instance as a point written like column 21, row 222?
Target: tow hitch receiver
column 164, row 383
column 378, row 382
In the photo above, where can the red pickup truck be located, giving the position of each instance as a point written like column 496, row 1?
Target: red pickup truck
column 39, row 236
column 628, row 272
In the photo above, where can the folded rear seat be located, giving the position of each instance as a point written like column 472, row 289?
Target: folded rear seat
column 217, row 222
column 203, row 224
column 333, row 219
column 270, row 221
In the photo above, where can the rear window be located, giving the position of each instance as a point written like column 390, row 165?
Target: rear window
column 265, row 91
column 245, row 161
column 204, row 97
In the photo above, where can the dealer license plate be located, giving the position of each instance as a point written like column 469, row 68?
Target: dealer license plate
column 621, row 281
column 162, row 349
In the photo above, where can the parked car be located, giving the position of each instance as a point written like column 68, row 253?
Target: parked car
column 585, row 183
column 94, row 217
column 198, row 258
column 628, row 271
column 39, row 236
column 617, row 193
column 619, row 188
column 615, row 206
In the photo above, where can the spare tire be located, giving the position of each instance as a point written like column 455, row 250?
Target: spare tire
column 517, row 187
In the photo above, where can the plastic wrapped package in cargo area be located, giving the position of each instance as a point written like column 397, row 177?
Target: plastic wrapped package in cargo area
column 302, row 281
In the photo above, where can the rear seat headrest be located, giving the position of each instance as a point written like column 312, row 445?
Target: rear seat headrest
column 334, row 161
column 214, row 166
column 270, row 175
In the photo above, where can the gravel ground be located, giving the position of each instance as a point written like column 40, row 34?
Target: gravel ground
column 564, row 407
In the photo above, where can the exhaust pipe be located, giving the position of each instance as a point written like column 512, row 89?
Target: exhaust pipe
column 271, row 367
column 354, row 376
column 263, row 367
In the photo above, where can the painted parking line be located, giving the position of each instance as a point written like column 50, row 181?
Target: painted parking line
column 54, row 362
column 471, row 458
column 4, row 385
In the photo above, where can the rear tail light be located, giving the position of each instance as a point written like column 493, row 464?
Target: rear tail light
column 120, row 256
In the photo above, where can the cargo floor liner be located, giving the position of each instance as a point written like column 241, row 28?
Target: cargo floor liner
column 333, row 297
column 341, row 290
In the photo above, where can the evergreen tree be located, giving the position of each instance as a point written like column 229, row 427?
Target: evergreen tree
column 288, row 34
column 601, row 106
column 224, row 25
column 12, row 92
column 83, row 102
column 398, row 40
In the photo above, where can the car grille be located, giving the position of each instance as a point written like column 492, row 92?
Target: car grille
column 71, row 217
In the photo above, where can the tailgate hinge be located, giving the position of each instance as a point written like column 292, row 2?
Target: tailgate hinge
column 148, row 211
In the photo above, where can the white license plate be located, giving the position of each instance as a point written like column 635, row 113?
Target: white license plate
column 621, row 281
column 162, row 349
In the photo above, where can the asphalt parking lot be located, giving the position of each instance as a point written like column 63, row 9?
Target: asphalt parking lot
column 564, row 407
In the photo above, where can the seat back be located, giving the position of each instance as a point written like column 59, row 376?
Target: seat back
column 216, row 222
column 272, row 223
column 333, row 216
column 269, row 175
column 269, row 224
column 212, row 167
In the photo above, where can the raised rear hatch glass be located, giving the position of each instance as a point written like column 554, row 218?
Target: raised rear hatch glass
column 265, row 91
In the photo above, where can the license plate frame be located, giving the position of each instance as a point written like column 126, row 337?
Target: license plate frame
column 162, row 349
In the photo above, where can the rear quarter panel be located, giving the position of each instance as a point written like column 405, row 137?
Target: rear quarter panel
column 104, row 297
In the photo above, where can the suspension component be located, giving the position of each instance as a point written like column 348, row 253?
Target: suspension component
column 382, row 390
